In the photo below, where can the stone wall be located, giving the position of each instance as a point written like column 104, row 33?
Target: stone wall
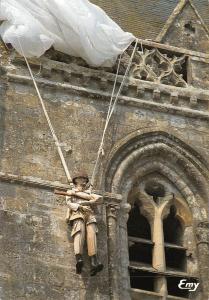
column 37, row 260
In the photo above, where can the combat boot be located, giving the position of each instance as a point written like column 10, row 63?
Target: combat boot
column 79, row 263
column 95, row 265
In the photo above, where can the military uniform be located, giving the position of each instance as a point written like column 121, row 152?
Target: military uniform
column 83, row 222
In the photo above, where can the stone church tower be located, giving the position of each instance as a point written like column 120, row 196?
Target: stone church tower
column 153, row 225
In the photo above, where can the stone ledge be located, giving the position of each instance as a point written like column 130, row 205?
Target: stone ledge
column 51, row 185
column 174, row 49
column 105, row 76
column 124, row 100
column 137, row 292
column 150, row 269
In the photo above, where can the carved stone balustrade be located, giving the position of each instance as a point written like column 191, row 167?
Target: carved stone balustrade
column 156, row 66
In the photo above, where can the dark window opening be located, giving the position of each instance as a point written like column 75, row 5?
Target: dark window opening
column 175, row 259
column 173, row 231
column 173, row 289
column 142, row 280
column 183, row 69
column 139, row 252
column 144, row 76
column 189, row 28
column 137, row 225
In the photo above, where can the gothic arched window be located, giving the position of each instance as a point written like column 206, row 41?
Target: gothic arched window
column 156, row 237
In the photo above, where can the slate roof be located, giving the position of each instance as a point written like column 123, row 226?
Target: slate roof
column 146, row 18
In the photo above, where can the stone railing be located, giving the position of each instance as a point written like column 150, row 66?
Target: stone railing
column 152, row 64
column 160, row 76
column 168, row 65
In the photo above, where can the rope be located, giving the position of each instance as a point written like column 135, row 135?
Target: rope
column 106, row 123
column 113, row 92
column 111, row 109
column 47, row 117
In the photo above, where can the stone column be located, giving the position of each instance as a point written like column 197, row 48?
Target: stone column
column 112, row 243
column 123, row 269
column 202, row 234
column 159, row 263
column 115, row 212
column 112, row 202
column 158, row 252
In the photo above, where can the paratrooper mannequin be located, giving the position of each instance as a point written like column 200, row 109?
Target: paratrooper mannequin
column 81, row 217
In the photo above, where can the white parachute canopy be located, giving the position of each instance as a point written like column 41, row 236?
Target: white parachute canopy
column 75, row 27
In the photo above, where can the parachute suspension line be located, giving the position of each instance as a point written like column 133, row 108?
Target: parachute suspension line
column 112, row 96
column 106, row 123
column 111, row 109
column 47, row 117
column 122, row 84
column 142, row 49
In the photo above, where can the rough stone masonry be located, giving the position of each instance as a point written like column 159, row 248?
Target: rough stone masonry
column 159, row 131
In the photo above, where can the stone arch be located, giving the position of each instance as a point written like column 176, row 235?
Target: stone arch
column 143, row 153
column 183, row 213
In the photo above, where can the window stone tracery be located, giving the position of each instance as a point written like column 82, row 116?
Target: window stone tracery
column 153, row 65
column 168, row 261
